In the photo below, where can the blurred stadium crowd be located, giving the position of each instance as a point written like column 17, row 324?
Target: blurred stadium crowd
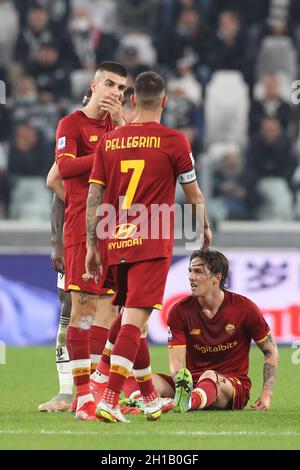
column 229, row 67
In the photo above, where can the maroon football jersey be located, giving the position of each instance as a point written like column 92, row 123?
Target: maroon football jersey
column 221, row 343
column 140, row 163
column 77, row 136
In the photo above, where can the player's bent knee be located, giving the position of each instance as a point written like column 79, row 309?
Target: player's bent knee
column 209, row 374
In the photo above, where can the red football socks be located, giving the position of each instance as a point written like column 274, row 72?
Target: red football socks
column 204, row 394
column 98, row 338
column 104, row 363
column 79, row 352
column 121, row 361
column 142, row 372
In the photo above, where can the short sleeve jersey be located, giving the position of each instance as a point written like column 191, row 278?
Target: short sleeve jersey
column 221, row 343
column 139, row 165
column 76, row 137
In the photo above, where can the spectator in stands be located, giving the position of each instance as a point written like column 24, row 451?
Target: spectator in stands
column 190, row 35
column 271, row 105
column 29, row 154
column 103, row 12
column 186, row 79
column 229, row 187
column 270, row 163
column 270, row 152
column 84, row 37
column 40, row 109
column 58, row 10
column 229, row 44
column 183, row 115
column 48, row 70
column 37, row 32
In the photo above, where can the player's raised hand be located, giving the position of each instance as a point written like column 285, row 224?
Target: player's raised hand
column 93, row 263
column 263, row 403
column 57, row 257
column 113, row 106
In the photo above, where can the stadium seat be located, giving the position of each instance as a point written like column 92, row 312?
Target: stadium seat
column 30, row 199
column 226, row 108
column 79, row 80
column 277, row 54
column 277, row 197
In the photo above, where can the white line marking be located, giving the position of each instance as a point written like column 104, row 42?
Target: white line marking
column 144, row 433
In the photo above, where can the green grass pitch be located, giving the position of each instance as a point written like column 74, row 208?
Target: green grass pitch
column 29, row 378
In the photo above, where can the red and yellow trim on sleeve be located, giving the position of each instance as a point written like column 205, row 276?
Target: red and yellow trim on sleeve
column 97, row 182
column 171, row 346
column 66, row 155
column 264, row 338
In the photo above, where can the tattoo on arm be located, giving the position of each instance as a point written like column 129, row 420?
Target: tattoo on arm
column 269, row 349
column 269, row 376
column 93, row 201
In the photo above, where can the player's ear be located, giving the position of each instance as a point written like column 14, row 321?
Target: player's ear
column 133, row 101
column 164, row 102
column 93, row 85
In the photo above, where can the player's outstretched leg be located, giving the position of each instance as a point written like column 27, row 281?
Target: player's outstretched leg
column 183, row 387
column 63, row 400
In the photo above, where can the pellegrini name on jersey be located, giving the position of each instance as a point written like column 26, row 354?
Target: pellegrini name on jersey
column 132, row 141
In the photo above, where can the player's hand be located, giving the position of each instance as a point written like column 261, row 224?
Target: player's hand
column 114, row 107
column 57, row 257
column 263, row 403
column 207, row 238
column 93, row 263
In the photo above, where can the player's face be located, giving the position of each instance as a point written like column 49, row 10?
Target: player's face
column 109, row 85
column 201, row 279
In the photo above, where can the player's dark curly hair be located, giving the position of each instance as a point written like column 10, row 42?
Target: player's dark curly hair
column 215, row 261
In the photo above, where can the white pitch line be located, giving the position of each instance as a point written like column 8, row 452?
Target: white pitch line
column 144, row 433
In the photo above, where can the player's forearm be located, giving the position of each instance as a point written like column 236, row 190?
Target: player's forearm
column 94, row 199
column 197, row 201
column 176, row 359
column 73, row 167
column 55, row 183
column 57, row 220
column 59, row 190
column 271, row 361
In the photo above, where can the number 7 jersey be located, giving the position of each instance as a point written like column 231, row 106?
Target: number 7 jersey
column 139, row 164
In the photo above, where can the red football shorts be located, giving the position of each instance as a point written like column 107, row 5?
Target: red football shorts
column 141, row 284
column 76, row 278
